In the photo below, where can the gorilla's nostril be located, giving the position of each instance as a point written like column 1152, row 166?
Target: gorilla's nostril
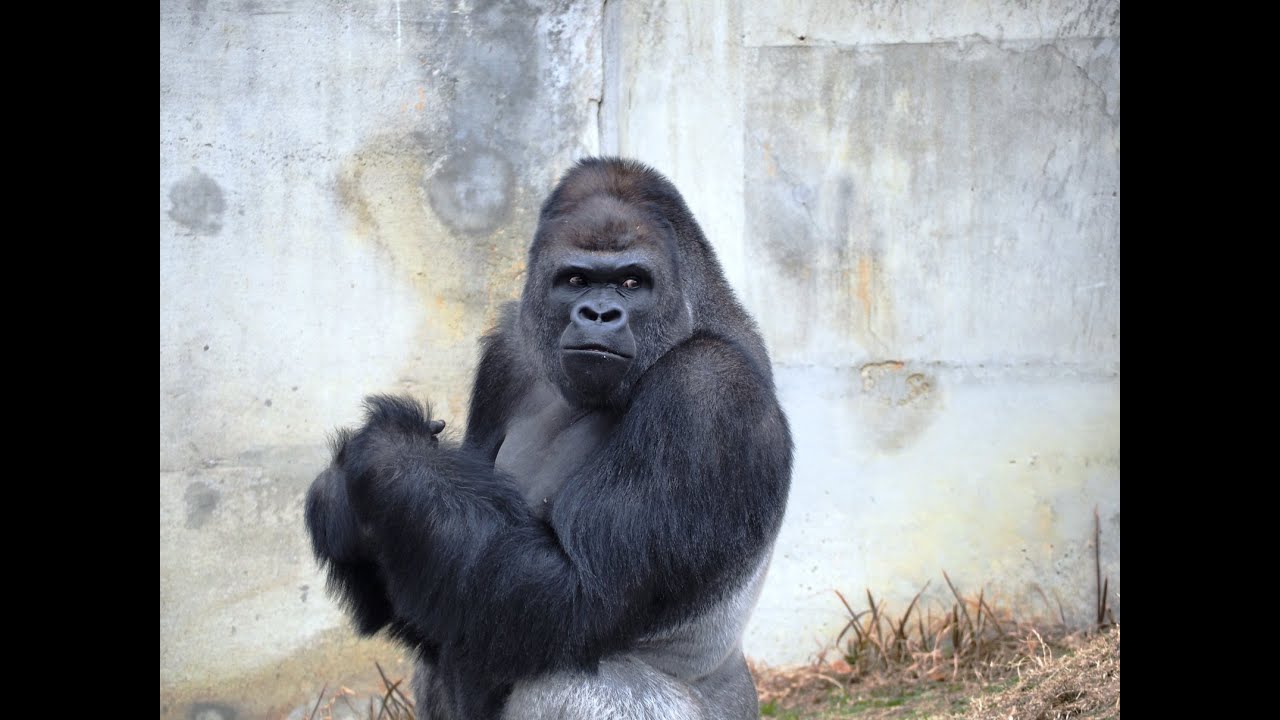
column 607, row 315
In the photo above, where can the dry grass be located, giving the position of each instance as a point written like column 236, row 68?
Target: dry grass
column 392, row 704
column 969, row 642
column 1016, row 672
column 1084, row 685
column 928, row 662
column 1073, row 677
column 1066, row 676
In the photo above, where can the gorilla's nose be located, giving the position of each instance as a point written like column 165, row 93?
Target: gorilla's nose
column 599, row 313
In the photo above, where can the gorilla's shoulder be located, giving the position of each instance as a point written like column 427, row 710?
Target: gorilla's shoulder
column 717, row 368
column 505, row 327
column 500, row 347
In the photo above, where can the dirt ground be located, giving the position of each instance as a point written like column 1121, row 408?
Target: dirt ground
column 1074, row 677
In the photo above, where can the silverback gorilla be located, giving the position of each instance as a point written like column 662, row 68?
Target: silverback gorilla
column 594, row 545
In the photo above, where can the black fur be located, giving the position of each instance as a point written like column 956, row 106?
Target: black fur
column 669, row 504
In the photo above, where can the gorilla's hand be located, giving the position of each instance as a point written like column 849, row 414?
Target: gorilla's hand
column 396, row 433
column 336, row 533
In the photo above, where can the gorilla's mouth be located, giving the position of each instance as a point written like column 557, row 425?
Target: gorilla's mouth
column 597, row 348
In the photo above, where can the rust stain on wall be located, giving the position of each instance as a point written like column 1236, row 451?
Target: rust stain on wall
column 432, row 218
column 348, row 187
column 866, row 287
column 898, row 403
column 863, row 288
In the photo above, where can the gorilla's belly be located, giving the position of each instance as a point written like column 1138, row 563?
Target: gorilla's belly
column 697, row 647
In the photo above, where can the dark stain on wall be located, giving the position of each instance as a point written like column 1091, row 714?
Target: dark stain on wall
column 201, row 501
column 472, row 191
column 197, row 203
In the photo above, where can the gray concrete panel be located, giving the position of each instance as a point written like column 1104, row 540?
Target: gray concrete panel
column 872, row 22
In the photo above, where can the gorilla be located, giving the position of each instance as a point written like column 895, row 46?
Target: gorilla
column 594, row 545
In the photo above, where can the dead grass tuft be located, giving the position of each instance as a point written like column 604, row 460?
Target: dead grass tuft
column 1081, row 686
column 391, row 704
column 972, row 646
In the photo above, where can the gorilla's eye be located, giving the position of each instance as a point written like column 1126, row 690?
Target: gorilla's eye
column 631, row 283
column 578, row 281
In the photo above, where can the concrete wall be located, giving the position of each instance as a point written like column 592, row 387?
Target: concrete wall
column 346, row 195
column 919, row 201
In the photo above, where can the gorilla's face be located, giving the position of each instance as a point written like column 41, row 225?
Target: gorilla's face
column 609, row 300
column 604, row 301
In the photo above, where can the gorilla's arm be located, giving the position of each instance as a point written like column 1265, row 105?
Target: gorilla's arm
column 342, row 545
column 683, row 498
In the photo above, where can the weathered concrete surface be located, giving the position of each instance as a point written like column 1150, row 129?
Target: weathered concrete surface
column 870, row 22
column 346, row 195
column 673, row 99
column 905, row 472
column 955, row 203
column 373, row 176
column 934, row 234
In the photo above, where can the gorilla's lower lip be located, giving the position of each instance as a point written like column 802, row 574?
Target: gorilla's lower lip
column 599, row 349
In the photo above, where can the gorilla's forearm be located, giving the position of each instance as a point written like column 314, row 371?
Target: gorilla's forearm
column 464, row 558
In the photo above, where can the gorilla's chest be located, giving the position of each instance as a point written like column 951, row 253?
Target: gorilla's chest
column 546, row 443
